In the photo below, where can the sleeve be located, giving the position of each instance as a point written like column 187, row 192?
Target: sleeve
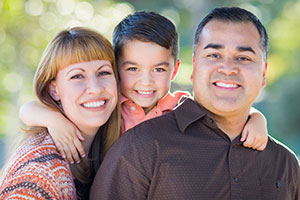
column 126, row 170
column 297, row 196
column 38, row 180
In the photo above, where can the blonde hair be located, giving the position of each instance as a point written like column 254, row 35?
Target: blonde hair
column 69, row 47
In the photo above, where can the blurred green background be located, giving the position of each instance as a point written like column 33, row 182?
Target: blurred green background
column 26, row 26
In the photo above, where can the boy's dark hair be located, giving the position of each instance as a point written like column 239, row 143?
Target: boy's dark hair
column 236, row 15
column 146, row 27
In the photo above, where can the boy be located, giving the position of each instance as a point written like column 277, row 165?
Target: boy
column 146, row 50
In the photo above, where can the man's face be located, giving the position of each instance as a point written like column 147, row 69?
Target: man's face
column 228, row 67
column 146, row 70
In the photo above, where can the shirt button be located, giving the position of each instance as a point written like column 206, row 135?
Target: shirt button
column 235, row 179
column 133, row 108
column 278, row 184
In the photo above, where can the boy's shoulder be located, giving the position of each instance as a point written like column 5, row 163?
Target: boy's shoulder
column 171, row 100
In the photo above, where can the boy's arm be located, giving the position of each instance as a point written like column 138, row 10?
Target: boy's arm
column 63, row 132
column 255, row 133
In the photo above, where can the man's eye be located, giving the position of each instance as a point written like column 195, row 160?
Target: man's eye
column 243, row 58
column 213, row 55
column 159, row 70
column 131, row 69
column 77, row 76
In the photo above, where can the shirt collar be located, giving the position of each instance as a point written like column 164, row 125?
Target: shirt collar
column 167, row 103
column 188, row 112
column 123, row 99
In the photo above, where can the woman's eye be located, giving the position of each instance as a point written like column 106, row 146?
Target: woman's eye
column 159, row 70
column 77, row 76
column 104, row 73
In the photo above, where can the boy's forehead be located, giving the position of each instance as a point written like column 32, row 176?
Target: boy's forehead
column 135, row 48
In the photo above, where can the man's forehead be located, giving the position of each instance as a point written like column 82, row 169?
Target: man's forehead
column 222, row 33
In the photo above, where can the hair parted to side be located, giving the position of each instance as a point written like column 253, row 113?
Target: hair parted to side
column 146, row 27
column 235, row 15
column 70, row 47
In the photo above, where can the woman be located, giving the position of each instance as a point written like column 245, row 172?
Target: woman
column 76, row 76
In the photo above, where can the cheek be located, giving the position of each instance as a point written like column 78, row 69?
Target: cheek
column 111, row 87
column 71, row 91
column 162, row 78
column 126, row 81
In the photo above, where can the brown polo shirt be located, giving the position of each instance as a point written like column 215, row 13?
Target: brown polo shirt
column 184, row 155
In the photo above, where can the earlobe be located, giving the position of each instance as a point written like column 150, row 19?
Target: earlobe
column 53, row 91
column 175, row 70
column 191, row 78
column 264, row 75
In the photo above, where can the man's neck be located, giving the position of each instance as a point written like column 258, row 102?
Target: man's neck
column 231, row 125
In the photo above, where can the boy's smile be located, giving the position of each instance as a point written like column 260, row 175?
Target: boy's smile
column 146, row 70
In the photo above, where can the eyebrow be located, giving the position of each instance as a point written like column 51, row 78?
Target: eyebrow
column 80, row 69
column 214, row 46
column 136, row 64
column 242, row 49
column 239, row 48
column 74, row 70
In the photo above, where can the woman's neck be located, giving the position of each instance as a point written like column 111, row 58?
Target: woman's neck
column 87, row 142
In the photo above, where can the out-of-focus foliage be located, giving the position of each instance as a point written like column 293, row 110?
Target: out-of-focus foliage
column 281, row 105
column 26, row 26
column 25, row 29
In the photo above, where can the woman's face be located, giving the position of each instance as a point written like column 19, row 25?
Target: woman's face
column 87, row 92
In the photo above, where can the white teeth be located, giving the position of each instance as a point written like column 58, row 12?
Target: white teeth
column 226, row 85
column 94, row 104
column 145, row 92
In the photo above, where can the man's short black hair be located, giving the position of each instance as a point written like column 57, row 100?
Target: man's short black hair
column 237, row 15
column 147, row 27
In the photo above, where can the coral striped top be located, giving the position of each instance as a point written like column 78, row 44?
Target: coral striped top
column 37, row 171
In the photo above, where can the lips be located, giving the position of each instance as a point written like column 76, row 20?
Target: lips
column 226, row 84
column 145, row 92
column 93, row 104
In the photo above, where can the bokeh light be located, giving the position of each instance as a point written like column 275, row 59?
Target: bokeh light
column 34, row 7
column 84, row 11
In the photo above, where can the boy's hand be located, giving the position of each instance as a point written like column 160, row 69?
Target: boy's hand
column 66, row 137
column 255, row 133
column 254, row 140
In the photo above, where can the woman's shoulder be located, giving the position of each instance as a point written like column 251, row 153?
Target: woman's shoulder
column 38, row 168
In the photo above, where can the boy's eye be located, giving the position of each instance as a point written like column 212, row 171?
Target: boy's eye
column 77, row 76
column 159, row 70
column 131, row 69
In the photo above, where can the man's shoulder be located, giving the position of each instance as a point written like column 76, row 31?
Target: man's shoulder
column 281, row 151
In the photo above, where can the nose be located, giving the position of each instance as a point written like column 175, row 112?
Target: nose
column 146, row 78
column 94, row 86
column 228, row 67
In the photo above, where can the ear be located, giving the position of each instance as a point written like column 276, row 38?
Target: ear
column 264, row 75
column 53, row 91
column 175, row 70
column 191, row 78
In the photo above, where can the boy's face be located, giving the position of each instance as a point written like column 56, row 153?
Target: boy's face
column 146, row 70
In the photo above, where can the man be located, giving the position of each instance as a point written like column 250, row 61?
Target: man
column 195, row 152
